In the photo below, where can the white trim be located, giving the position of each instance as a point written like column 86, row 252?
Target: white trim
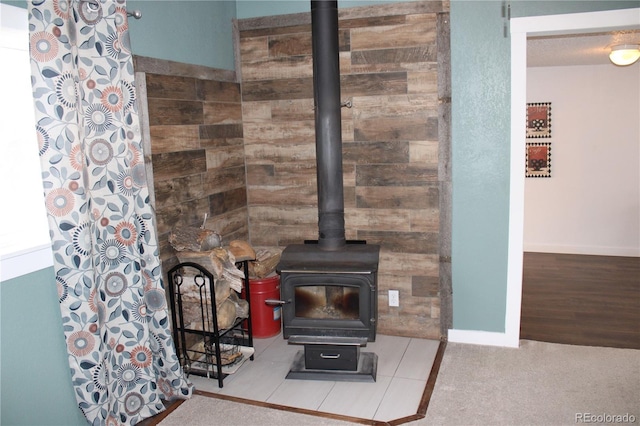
column 486, row 338
column 569, row 23
column 25, row 262
column 516, row 185
column 574, row 23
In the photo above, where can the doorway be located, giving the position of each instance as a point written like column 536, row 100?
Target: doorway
column 521, row 28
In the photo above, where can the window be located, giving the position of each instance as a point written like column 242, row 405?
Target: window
column 24, row 232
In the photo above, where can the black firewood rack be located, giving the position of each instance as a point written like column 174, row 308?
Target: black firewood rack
column 202, row 347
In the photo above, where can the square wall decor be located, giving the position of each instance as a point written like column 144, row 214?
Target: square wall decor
column 539, row 120
column 538, row 159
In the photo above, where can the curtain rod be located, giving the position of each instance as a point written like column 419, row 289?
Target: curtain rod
column 136, row 13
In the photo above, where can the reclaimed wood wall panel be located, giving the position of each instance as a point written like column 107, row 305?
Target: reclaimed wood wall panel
column 395, row 56
column 280, row 68
column 366, row 152
column 172, row 112
column 291, row 174
column 371, row 21
column 391, row 144
column 416, row 30
column 169, row 165
column 283, row 25
column 171, row 87
column 408, row 197
column 232, row 225
column 283, row 196
column 291, row 110
column 426, row 220
column 174, row 138
column 196, row 132
column 224, row 158
column 177, row 215
column 256, row 47
column 425, row 286
column 223, row 202
column 425, row 152
column 179, row 190
column 424, row 81
column 222, row 180
column 373, row 84
column 393, row 220
column 222, row 113
column 279, row 132
column 218, row 91
column 395, row 175
column 276, row 90
column 220, row 135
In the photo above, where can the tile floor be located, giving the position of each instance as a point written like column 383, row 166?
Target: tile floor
column 404, row 365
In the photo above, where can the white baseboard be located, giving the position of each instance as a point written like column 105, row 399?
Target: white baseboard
column 587, row 250
column 486, row 338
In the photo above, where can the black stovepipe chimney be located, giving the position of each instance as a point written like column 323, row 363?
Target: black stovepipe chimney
column 326, row 88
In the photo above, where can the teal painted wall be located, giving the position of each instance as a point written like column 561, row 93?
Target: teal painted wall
column 35, row 380
column 480, row 83
column 480, row 76
column 193, row 32
column 16, row 3
column 257, row 8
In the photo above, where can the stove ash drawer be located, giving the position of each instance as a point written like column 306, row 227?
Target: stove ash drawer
column 331, row 357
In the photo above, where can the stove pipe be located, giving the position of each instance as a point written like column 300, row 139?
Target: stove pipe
column 326, row 88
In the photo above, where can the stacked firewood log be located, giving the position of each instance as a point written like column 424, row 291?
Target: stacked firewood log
column 265, row 262
column 204, row 247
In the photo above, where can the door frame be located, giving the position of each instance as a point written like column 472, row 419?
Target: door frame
column 521, row 28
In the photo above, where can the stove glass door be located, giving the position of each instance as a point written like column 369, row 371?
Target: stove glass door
column 327, row 302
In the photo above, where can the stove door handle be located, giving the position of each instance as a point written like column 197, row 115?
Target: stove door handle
column 276, row 302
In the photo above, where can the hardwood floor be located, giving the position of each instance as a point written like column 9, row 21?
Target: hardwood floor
column 581, row 300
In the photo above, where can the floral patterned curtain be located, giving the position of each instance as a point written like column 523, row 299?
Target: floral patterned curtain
column 108, row 273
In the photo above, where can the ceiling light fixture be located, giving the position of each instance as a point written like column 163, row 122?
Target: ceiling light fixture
column 624, row 54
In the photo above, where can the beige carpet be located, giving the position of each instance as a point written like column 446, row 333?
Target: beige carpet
column 536, row 384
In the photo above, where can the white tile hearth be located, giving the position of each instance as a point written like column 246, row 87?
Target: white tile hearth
column 404, row 365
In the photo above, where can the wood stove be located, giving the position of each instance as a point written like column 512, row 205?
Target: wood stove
column 329, row 293
column 328, row 287
column 330, row 305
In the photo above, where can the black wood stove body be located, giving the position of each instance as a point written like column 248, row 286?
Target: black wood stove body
column 330, row 305
column 329, row 287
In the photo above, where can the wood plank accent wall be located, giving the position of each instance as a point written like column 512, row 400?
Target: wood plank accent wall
column 194, row 123
column 391, row 144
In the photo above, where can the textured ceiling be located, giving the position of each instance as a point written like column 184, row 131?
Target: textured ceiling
column 576, row 49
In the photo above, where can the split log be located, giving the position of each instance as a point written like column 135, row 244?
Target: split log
column 265, row 263
column 207, row 259
column 190, row 238
column 242, row 250
column 230, row 272
column 191, row 292
column 242, row 306
column 226, row 313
